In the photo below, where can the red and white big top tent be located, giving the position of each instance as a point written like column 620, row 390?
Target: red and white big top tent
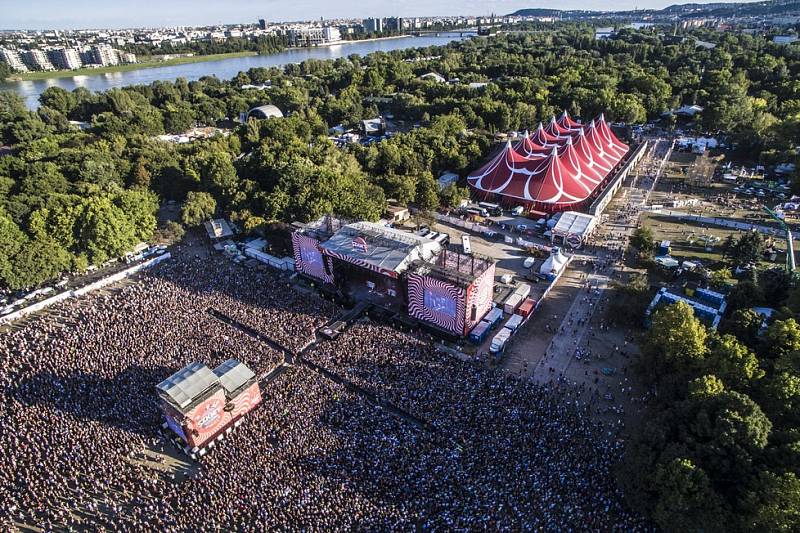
column 555, row 168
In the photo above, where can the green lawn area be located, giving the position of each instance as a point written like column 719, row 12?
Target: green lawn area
column 28, row 76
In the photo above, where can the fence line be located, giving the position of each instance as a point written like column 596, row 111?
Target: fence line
column 38, row 306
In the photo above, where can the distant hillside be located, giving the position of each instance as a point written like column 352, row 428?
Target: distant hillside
column 536, row 12
column 717, row 9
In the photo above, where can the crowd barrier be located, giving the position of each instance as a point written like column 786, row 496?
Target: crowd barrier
column 38, row 306
column 285, row 264
column 723, row 222
column 465, row 224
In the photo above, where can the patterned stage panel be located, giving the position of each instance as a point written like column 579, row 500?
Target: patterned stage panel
column 445, row 302
column 308, row 258
column 480, row 295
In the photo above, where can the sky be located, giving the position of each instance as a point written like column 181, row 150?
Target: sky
column 72, row 14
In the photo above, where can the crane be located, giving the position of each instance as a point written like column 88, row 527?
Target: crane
column 790, row 264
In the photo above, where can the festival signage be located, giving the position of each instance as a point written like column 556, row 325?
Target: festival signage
column 359, row 245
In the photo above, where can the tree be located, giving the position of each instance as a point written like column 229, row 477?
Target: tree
column 781, row 338
column 744, row 295
column 628, row 301
column 643, row 240
column 686, row 501
column 453, row 195
column 12, row 240
column 37, row 261
column 748, row 249
column 171, row 232
column 676, row 341
column 728, row 246
column 427, row 197
column 775, row 284
column 199, row 206
column 58, row 99
column 744, row 324
column 103, row 230
column 140, row 207
column 736, row 365
column 774, row 503
column 219, row 175
column 719, row 278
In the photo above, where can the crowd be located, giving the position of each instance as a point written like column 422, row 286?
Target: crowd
column 79, row 401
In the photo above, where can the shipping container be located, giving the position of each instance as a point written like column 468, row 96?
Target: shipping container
column 526, row 307
column 512, row 303
column 523, row 290
column 514, row 322
column 494, row 316
column 480, row 332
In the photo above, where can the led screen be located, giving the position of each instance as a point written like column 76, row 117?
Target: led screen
column 439, row 302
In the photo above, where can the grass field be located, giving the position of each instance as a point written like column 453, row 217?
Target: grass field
column 30, row 76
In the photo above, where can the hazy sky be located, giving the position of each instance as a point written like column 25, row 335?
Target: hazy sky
column 46, row 14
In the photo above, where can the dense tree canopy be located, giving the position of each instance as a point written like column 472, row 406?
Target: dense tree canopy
column 287, row 169
column 717, row 450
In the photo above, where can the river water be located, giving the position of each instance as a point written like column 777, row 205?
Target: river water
column 224, row 68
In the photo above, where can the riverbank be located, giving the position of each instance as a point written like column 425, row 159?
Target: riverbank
column 31, row 76
column 371, row 39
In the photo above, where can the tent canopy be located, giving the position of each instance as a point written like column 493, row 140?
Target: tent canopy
column 554, row 167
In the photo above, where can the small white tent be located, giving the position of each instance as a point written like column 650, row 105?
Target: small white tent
column 554, row 264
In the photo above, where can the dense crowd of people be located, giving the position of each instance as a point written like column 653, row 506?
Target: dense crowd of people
column 496, row 453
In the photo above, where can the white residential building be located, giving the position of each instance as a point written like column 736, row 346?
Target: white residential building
column 66, row 58
column 313, row 35
column 104, row 55
column 12, row 59
column 37, row 60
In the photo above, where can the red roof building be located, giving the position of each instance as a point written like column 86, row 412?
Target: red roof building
column 556, row 168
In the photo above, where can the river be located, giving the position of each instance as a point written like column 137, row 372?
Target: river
column 223, row 69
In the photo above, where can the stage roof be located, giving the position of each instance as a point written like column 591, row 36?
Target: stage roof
column 185, row 385
column 380, row 246
column 233, row 374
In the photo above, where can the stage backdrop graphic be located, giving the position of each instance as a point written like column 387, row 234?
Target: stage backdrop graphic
column 437, row 302
column 308, row 257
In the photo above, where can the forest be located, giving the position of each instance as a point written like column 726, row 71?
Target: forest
column 70, row 198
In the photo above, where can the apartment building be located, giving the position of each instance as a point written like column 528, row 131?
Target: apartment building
column 65, row 58
column 12, row 59
column 313, row 36
column 36, row 60
column 105, row 55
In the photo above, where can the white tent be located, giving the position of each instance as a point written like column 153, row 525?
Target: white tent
column 667, row 261
column 554, row 264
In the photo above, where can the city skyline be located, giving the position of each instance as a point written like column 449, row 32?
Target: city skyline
column 49, row 14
